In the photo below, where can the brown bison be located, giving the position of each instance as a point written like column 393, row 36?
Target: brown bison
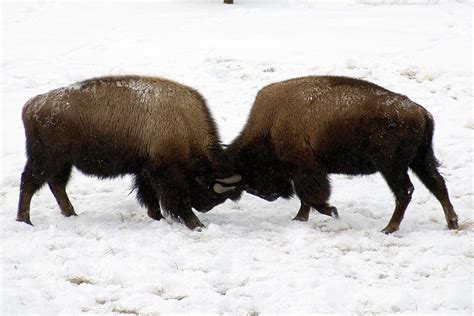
column 301, row 130
column 157, row 130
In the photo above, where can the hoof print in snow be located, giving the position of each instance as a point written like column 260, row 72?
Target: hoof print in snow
column 270, row 69
column 128, row 311
column 78, row 280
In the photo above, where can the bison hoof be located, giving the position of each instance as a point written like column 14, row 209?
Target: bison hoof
column 69, row 214
column 155, row 214
column 24, row 220
column 389, row 229
column 194, row 224
column 453, row 224
column 334, row 212
column 300, row 218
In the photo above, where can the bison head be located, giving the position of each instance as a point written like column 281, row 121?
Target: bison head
column 263, row 175
column 266, row 183
column 206, row 193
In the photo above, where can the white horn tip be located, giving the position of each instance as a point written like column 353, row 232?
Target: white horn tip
column 219, row 188
column 231, row 180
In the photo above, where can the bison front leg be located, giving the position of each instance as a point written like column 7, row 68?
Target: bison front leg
column 303, row 213
column 314, row 190
column 326, row 209
column 175, row 198
column 148, row 196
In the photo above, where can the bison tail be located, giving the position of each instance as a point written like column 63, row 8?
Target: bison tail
column 425, row 159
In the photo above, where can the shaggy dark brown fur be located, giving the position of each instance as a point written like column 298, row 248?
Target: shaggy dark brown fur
column 303, row 129
column 157, row 130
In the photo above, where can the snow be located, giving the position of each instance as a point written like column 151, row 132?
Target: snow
column 75, row 86
column 251, row 259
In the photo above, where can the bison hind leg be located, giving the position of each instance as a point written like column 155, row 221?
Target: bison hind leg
column 57, row 185
column 44, row 164
column 425, row 167
column 34, row 176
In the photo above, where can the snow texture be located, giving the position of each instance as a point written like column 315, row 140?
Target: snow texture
column 251, row 259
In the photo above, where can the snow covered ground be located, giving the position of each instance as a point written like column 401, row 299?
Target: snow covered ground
column 251, row 259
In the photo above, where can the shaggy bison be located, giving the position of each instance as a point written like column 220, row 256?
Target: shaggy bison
column 159, row 131
column 303, row 129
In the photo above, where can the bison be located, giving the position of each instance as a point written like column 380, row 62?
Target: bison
column 301, row 130
column 159, row 131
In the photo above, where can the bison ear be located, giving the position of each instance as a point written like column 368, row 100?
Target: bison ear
column 230, row 180
column 219, row 188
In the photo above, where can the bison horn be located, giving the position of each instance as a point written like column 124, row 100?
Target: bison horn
column 219, row 188
column 230, row 180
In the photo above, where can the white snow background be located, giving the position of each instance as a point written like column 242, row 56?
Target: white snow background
column 251, row 259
